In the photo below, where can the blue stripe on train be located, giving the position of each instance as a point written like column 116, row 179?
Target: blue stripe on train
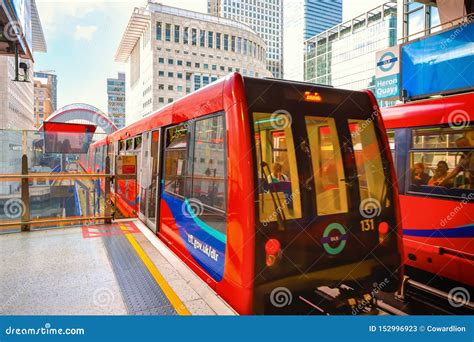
column 204, row 243
column 458, row 232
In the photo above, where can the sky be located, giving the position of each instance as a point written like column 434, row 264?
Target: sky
column 82, row 37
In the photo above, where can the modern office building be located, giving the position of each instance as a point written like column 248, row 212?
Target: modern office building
column 43, row 100
column 302, row 20
column 116, row 99
column 52, row 79
column 171, row 52
column 344, row 55
column 265, row 17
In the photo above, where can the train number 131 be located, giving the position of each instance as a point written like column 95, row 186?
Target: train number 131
column 367, row 225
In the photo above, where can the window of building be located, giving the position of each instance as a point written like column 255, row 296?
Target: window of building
column 218, row 41
column 210, row 39
column 186, row 35
column 170, row 61
column 232, row 45
column 197, row 82
column 202, row 38
column 168, row 32
column 194, row 37
column 176, row 33
column 159, row 33
column 226, row 42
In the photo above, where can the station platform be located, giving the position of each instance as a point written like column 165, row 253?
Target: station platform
column 116, row 269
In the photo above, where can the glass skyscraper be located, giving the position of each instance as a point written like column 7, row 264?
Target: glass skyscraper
column 265, row 17
column 302, row 20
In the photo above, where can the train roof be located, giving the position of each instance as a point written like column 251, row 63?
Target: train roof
column 430, row 112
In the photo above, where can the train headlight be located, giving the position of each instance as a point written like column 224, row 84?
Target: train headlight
column 272, row 251
column 384, row 229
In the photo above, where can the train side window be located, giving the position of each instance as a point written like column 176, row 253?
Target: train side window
column 129, row 145
column 328, row 168
column 278, row 181
column 175, row 159
column 440, row 137
column 209, row 171
column 442, row 161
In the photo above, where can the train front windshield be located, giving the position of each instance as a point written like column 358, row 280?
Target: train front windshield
column 324, row 196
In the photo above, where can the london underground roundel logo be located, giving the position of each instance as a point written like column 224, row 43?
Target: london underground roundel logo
column 334, row 238
column 387, row 61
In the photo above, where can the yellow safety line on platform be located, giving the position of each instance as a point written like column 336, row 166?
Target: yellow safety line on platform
column 178, row 305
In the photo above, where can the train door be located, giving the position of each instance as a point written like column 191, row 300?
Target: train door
column 149, row 181
column 144, row 179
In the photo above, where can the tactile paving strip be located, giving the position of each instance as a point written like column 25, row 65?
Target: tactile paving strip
column 141, row 294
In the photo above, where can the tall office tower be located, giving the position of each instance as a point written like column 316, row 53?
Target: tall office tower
column 52, row 79
column 302, row 20
column 265, row 17
column 116, row 99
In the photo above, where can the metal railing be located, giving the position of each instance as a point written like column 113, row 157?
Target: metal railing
column 24, row 202
column 465, row 19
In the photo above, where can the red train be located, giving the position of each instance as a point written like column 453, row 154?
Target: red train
column 433, row 146
column 261, row 185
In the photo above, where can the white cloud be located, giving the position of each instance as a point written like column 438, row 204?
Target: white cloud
column 84, row 32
